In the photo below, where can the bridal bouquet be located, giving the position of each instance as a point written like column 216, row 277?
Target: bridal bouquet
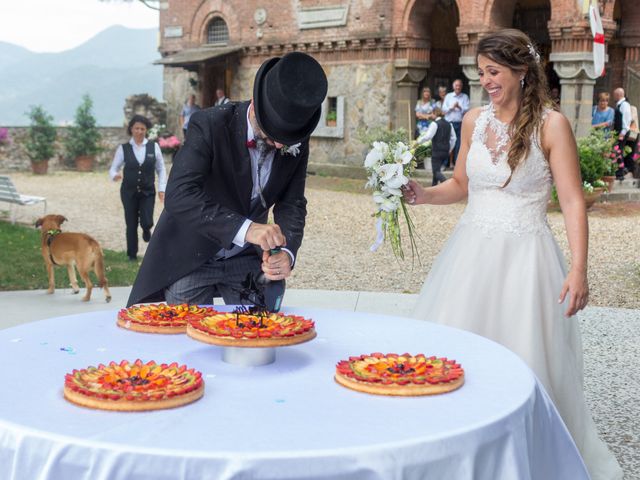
column 390, row 166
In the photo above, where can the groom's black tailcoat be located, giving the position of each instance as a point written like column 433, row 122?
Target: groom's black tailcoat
column 208, row 198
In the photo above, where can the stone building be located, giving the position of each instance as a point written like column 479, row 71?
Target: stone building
column 378, row 54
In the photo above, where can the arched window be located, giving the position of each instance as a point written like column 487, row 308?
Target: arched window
column 217, row 31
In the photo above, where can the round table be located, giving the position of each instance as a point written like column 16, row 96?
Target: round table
column 286, row 420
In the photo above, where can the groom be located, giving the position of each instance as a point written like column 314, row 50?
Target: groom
column 236, row 163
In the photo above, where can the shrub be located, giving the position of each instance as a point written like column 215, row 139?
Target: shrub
column 594, row 151
column 83, row 137
column 42, row 135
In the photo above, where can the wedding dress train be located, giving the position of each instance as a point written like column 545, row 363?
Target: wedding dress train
column 500, row 274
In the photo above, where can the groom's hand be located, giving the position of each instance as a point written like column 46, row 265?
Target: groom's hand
column 267, row 236
column 276, row 266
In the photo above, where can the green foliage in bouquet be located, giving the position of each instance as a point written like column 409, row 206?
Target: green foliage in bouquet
column 83, row 137
column 42, row 135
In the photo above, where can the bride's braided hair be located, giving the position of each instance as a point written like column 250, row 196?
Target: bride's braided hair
column 515, row 50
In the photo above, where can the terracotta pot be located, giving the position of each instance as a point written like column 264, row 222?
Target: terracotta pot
column 84, row 163
column 591, row 198
column 40, row 168
column 609, row 180
column 331, row 123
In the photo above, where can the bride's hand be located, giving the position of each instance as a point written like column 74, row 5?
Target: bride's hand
column 576, row 285
column 413, row 193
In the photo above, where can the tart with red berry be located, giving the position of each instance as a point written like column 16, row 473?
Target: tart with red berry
column 251, row 328
column 404, row 375
column 160, row 318
column 134, row 386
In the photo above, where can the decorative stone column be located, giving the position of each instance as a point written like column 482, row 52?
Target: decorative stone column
column 407, row 77
column 577, row 80
column 477, row 95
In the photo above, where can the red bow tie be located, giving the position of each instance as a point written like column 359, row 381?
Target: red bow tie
column 251, row 143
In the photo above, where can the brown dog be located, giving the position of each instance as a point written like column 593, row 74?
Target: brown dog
column 71, row 249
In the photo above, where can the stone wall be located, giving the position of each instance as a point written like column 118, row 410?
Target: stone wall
column 14, row 158
column 367, row 103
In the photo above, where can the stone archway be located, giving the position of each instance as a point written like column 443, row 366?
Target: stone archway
column 532, row 17
column 445, row 49
column 623, row 50
column 427, row 53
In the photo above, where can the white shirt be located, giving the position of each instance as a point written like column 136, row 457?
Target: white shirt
column 139, row 151
column 265, row 173
column 625, row 109
column 221, row 101
column 455, row 114
column 431, row 132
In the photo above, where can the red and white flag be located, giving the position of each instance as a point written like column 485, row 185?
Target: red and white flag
column 598, row 41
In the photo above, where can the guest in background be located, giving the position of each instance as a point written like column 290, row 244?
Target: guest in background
column 189, row 108
column 602, row 116
column 424, row 111
column 442, row 92
column 622, row 125
column 443, row 139
column 454, row 106
column 221, row 97
column 141, row 160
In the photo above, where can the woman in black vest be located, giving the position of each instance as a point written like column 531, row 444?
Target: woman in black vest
column 140, row 159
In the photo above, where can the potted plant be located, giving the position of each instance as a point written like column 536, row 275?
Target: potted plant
column 332, row 118
column 169, row 146
column 594, row 152
column 83, row 139
column 40, row 143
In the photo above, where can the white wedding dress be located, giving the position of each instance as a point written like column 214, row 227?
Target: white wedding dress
column 500, row 274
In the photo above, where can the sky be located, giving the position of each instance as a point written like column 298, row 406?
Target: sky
column 57, row 25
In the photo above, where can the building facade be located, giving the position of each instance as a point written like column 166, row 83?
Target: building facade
column 378, row 54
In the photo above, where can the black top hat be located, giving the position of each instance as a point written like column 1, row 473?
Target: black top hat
column 287, row 96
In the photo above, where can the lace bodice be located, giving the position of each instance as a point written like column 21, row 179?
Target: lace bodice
column 520, row 207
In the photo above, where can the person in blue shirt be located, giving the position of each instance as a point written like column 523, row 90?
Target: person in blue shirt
column 602, row 116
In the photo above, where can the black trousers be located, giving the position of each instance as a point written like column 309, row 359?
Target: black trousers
column 436, row 169
column 138, row 209
column 215, row 278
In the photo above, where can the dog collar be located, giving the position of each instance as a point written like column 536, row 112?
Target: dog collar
column 50, row 235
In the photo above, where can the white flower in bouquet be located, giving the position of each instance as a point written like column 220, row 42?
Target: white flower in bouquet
column 390, row 166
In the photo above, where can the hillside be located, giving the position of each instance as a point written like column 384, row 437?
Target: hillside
column 112, row 65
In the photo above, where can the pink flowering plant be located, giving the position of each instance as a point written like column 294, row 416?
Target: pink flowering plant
column 4, row 136
column 169, row 144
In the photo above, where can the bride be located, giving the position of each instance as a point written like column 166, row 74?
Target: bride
column 502, row 262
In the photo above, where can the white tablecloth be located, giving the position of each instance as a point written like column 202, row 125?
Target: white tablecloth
column 287, row 420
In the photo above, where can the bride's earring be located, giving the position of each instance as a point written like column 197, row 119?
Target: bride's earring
column 522, row 82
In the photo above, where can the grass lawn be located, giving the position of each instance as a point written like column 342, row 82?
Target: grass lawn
column 22, row 266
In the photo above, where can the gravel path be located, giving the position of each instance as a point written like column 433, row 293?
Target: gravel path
column 335, row 253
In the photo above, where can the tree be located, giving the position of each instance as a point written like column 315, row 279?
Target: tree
column 42, row 135
column 83, row 137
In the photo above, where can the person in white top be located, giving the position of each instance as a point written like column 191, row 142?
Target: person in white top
column 622, row 124
column 454, row 106
column 443, row 139
column 221, row 97
column 139, row 160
